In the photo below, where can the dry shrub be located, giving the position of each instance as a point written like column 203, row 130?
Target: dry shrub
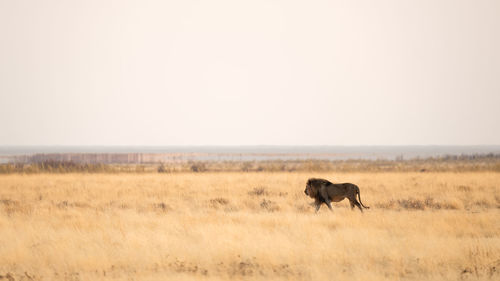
column 12, row 207
column 162, row 168
column 259, row 191
column 420, row 204
column 282, row 194
column 483, row 203
column 411, row 203
column 198, row 167
column 253, row 267
column 391, row 204
column 9, row 277
column 187, row 267
column 162, row 207
column 218, row 202
column 65, row 204
column 449, row 205
column 245, row 269
column 269, row 205
column 477, row 269
column 246, row 166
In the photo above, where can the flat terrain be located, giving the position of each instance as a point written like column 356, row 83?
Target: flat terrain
column 253, row 226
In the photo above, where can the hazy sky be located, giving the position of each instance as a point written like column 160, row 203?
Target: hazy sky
column 249, row 72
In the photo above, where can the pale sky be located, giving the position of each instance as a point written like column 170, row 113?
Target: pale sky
column 390, row 72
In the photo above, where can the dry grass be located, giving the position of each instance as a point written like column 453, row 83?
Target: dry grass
column 216, row 226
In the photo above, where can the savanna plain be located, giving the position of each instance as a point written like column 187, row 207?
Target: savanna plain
column 248, row 225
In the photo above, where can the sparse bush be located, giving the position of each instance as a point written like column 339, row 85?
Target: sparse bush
column 269, row 205
column 246, row 166
column 162, row 168
column 218, row 202
column 162, row 207
column 258, row 191
column 221, row 201
column 198, row 167
column 411, row 203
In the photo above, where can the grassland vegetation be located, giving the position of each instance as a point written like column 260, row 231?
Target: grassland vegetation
column 252, row 225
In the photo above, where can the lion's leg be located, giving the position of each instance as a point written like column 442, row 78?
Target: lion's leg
column 317, row 207
column 329, row 204
column 326, row 199
column 352, row 204
column 358, row 205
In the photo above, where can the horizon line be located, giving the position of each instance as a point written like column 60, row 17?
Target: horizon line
column 246, row 145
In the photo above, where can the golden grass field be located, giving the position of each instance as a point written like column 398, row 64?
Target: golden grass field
column 252, row 226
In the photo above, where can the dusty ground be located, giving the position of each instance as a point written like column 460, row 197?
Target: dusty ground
column 216, row 226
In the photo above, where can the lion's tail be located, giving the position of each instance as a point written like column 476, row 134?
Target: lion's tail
column 359, row 197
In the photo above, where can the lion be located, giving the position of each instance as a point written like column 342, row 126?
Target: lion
column 323, row 191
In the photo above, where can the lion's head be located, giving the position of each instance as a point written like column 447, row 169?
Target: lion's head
column 311, row 188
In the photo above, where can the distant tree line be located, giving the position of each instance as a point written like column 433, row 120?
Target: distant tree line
column 451, row 163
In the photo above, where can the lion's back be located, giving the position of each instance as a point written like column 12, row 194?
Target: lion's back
column 341, row 189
